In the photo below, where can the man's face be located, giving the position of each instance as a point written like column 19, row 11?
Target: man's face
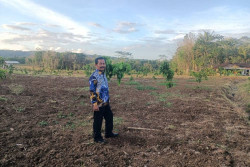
column 101, row 65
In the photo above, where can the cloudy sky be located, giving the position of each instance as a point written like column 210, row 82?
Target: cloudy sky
column 145, row 28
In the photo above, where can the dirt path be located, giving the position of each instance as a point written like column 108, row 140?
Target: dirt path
column 47, row 121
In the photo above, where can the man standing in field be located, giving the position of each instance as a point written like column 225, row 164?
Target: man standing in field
column 99, row 95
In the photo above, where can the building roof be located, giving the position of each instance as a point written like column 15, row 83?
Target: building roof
column 11, row 62
column 240, row 66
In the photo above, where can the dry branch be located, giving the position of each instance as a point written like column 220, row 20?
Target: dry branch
column 138, row 128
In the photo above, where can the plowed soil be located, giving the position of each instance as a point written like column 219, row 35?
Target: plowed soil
column 47, row 121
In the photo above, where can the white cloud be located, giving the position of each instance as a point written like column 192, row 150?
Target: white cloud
column 165, row 31
column 26, row 24
column 58, row 48
column 46, row 15
column 15, row 27
column 95, row 25
column 42, row 39
column 125, row 27
column 224, row 20
column 77, row 50
column 10, row 45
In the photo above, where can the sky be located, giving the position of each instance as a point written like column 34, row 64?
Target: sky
column 145, row 28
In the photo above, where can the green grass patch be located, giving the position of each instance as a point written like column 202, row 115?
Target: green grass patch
column 149, row 103
column 82, row 103
column 166, row 83
column 19, row 109
column 116, row 95
column 168, row 104
column 202, row 88
column 248, row 108
column 171, row 126
column 162, row 98
column 117, row 121
column 80, row 89
column 154, row 93
column 84, row 123
column 70, row 125
column 43, row 123
column 199, row 87
column 71, row 114
column 3, row 98
column 246, row 86
column 191, row 80
column 85, row 88
column 132, row 83
column 62, row 115
column 142, row 87
column 16, row 89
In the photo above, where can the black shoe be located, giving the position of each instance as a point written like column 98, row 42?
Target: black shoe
column 99, row 140
column 111, row 135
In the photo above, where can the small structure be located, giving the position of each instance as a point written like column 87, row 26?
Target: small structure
column 243, row 67
column 8, row 63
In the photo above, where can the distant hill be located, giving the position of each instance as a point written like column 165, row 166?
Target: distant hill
column 18, row 55
column 14, row 53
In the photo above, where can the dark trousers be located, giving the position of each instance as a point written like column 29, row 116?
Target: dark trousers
column 105, row 112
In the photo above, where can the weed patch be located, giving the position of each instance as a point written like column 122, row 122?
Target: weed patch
column 3, row 98
column 82, row 103
column 171, row 126
column 70, row 125
column 118, row 121
column 61, row 115
column 19, row 109
column 16, row 89
column 168, row 104
column 248, row 108
column 167, row 84
column 141, row 87
column 202, row 88
column 84, row 123
column 132, row 83
column 43, row 123
column 191, row 80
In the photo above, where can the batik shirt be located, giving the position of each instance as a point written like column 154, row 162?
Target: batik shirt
column 99, row 89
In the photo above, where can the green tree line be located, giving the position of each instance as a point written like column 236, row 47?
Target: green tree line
column 55, row 60
column 209, row 50
column 79, row 61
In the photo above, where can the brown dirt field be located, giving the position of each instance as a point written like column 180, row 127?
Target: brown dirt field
column 47, row 121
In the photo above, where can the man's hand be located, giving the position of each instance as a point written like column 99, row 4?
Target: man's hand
column 95, row 107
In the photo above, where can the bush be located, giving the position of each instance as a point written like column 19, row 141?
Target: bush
column 199, row 75
column 170, row 84
column 87, row 70
column 209, row 71
column 131, row 78
column 1, row 61
column 2, row 74
column 248, row 108
column 167, row 72
column 119, row 69
column 11, row 69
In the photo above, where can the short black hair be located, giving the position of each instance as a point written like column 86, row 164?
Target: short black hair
column 99, row 58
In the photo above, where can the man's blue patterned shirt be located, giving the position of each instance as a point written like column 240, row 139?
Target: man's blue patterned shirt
column 99, row 89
